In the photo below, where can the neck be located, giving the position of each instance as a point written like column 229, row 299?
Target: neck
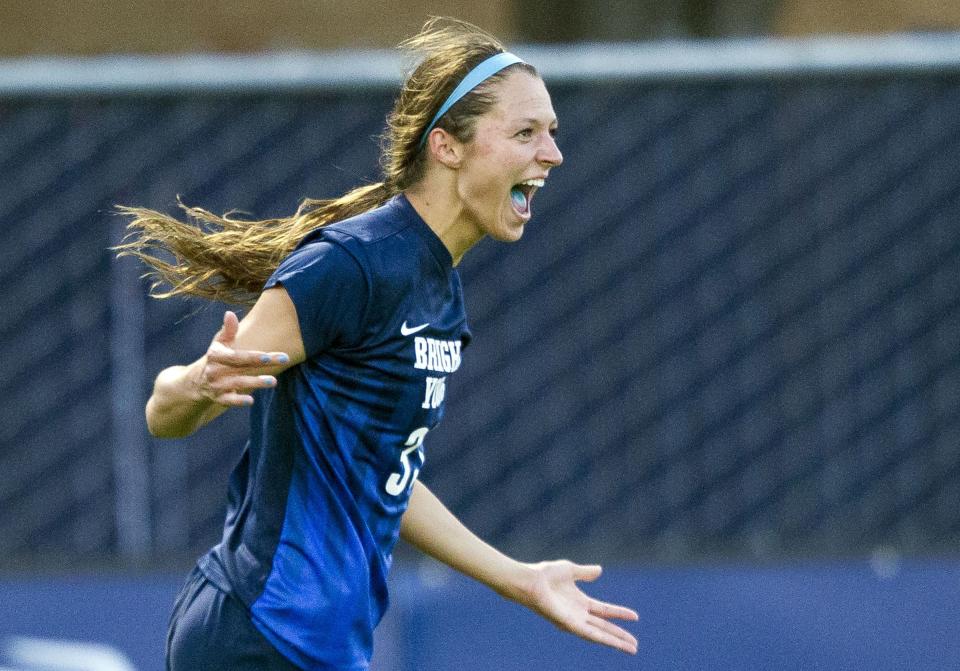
column 439, row 206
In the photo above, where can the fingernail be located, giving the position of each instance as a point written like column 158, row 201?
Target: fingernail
column 264, row 358
column 248, row 401
column 283, row 358
column 268, row 380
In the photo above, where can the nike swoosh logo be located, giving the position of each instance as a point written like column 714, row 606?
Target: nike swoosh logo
column 410, row 331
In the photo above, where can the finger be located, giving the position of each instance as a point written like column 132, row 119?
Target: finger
column 240, row 358
column 228, row 332
column 588, row 572
column 234, row 399
column 608, row 610
column 272, row 358
column 243, row 383
column 610, row 634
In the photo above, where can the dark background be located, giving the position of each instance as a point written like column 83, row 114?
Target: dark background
column 730, row 331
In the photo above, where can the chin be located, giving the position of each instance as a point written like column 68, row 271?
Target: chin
column 508, row 233
column 509, row 228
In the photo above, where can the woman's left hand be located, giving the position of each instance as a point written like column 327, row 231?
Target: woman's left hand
column 554, row 594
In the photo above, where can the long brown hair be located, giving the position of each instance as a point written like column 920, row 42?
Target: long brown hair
column 229, row 259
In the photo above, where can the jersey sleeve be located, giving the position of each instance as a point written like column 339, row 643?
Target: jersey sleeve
column 329, row 291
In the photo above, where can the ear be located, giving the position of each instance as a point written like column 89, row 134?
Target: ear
column 444, row 147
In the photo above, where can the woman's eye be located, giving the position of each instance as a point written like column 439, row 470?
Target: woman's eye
column 526, row 132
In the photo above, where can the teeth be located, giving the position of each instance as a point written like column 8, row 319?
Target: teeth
column 534, row 182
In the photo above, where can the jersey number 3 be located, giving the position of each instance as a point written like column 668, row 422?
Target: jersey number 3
column 397, row 483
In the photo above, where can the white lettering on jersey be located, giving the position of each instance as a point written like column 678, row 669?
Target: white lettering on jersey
column 439, row 356
column 398, row 482
column 420, row 347
column 436, row 390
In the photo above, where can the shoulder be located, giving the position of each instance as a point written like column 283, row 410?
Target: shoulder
column 385, row 242
column 388, row 247
column 375, row 243
column 330, row 291
column 323, row 256
column 367, row 229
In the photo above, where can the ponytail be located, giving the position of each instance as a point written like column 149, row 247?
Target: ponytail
column 224, row 258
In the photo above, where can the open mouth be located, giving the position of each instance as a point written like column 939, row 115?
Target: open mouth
column 522, row 194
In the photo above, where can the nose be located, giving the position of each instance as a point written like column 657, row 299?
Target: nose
column 549, row 153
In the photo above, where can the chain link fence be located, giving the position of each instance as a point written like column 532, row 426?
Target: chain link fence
column 732, row 328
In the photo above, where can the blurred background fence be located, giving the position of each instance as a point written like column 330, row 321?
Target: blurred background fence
column 731, row 330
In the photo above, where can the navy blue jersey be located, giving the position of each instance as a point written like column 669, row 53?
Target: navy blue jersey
column 316, row 500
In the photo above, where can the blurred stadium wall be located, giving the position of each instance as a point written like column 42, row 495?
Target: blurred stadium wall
column 83, row 27
column 87, row 27
column 806, row 17
column 731, row 334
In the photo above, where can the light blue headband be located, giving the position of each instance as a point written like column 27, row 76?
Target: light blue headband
column 482, row 72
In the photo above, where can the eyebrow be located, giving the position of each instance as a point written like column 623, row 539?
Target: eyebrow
column 537, row 122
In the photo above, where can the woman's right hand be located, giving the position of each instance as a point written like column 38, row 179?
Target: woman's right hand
column 241, row 358
column 227, row 375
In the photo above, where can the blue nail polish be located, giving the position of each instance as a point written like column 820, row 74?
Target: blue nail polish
column 264, row 358
column 283, row 358
column 268, row 380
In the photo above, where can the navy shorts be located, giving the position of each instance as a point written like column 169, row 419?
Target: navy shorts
column 211, row 630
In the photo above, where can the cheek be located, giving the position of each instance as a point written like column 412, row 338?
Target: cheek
column 492, row 168
column 489, row 172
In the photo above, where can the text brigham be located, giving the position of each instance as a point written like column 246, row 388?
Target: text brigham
column 440, row 356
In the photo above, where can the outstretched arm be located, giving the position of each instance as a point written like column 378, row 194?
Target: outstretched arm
column 242, row 357
column 547, row 588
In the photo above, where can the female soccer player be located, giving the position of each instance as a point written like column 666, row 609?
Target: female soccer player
column 358, row 319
